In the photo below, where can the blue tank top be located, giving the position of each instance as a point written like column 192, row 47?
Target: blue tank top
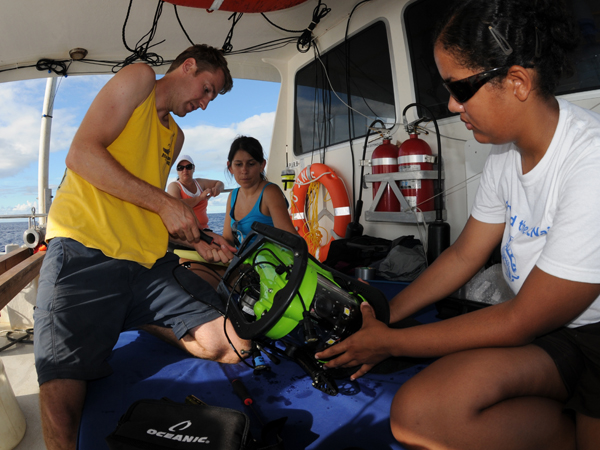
column 242, row 228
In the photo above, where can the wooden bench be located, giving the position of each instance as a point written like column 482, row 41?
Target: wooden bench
column 17, row 270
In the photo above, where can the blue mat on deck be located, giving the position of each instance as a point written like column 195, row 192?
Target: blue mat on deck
column 146, row 367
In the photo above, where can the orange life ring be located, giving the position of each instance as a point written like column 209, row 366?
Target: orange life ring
column 243, row 6
column 337, row 191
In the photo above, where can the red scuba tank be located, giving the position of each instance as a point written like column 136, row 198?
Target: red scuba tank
column 385, row 160
column 413, row 155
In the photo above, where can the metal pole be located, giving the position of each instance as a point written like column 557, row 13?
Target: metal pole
column 44, row 193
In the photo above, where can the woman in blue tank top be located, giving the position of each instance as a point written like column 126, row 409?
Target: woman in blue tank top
column 256, row 200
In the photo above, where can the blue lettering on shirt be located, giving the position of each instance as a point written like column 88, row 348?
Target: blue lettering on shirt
column 522, row 227
column 509, row 261
column 508, row 258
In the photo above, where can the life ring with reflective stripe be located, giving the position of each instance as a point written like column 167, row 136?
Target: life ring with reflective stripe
column 243, row 6
column 323, row 174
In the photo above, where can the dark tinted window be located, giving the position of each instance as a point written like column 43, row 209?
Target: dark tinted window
column 420, row 19
column 421, row 16
column 320, row 117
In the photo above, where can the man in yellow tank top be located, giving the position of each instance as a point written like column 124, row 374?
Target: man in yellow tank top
column 107, row 268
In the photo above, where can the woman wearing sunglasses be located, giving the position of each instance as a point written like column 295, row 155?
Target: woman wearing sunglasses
column 194, row 192
column 523, row 374
column 256, row 200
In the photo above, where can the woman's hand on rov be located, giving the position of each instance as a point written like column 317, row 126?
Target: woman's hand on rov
column 366, row 347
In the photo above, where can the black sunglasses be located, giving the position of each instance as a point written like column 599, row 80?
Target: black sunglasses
column 188, row 167
column 463, row 90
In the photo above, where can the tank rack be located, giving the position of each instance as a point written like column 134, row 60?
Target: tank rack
column 405, row 215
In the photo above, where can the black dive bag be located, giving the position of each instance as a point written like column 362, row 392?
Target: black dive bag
column 167, row 425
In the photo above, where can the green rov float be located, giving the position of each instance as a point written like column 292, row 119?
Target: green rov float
column 279, row 296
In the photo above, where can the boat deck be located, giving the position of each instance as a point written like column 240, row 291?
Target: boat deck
column 20, row 370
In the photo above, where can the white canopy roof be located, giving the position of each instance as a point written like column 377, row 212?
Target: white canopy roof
column 31, row 30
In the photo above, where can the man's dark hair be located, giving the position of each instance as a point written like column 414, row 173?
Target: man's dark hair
column 208, row 59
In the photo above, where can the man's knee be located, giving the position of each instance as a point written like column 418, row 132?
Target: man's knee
column 210, row 341
column 209, row 351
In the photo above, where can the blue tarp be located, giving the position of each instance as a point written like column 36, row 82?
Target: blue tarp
column 146, row 367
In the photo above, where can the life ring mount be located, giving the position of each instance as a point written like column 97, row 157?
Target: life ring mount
column 324, row 175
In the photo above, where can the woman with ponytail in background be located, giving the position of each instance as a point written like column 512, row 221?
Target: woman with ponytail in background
column 256, row 199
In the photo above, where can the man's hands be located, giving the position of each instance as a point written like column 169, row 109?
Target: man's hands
column 179, row 219
column 182, row 225
column 368, row 346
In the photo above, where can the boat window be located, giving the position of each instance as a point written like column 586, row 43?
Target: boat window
column 421, row 16
column 321, row 118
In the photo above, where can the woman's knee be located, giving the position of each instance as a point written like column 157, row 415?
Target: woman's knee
column 456, row 389
column 413, row 412
column 436, row 400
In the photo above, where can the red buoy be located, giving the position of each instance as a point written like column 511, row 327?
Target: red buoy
column 243, row 6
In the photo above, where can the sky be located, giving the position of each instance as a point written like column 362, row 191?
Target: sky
column 248, row 109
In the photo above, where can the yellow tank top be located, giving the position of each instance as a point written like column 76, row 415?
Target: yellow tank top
column 99, row 220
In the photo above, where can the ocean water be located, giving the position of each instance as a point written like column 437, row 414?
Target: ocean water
column 215, row 222
column 12, row 232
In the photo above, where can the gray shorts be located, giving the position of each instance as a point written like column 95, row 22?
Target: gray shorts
column 85, row 299
column 576, row 353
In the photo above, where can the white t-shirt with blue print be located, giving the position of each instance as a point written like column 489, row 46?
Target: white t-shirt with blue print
column 552, row 213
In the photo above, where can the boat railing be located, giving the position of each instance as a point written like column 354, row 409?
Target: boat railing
column 35, row 234
column 21, row 216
